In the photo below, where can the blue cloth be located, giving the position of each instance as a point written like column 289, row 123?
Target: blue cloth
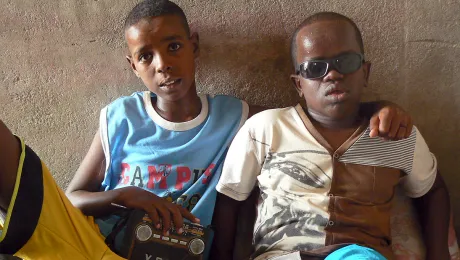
column 178, row 161
column 355, row 252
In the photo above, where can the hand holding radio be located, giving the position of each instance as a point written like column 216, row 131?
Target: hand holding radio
column 161, row 211
column 147, row 242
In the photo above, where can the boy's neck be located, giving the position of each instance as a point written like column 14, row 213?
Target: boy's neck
column 183, row 110
column 335, row 132
column 334, row 124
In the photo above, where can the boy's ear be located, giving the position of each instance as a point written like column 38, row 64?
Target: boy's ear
column 296, row 81
column 367, row 71
column 132, row 65
column 195, row 39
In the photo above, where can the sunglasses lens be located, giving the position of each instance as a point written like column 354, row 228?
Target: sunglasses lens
column 348, row 63
column 344, row 64
column 315, row 69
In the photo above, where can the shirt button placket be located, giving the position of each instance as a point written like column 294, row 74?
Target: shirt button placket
column 331, row 223
column 336, row 156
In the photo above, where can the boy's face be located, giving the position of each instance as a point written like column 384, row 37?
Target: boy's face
column 335, row 96
column 163, row 56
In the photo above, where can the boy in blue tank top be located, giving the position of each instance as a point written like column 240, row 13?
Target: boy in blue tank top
column 160, row 151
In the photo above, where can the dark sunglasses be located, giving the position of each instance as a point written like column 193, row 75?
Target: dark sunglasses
column 344, row 64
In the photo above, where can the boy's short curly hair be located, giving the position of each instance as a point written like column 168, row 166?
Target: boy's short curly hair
column 154, row 8
column 323, row 16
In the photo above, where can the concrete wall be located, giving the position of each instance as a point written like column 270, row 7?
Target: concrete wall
column 62, row 61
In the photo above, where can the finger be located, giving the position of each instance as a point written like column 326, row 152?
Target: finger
column 374, row 126
column 395, row 126
column 401, row 133
column 402, row 127
column 176, row 218
column 409, row 127
column 187, row 215
column 385, row 138
column 385, row 117
column 166, row 219
column 153, row 214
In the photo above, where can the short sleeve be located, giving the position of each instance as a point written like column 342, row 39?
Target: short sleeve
column 241, row 167
column 103, row 133
column 424, row 169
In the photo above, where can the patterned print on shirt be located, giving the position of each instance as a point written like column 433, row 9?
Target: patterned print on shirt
column 285, row 210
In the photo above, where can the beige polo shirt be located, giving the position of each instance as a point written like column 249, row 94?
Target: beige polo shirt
column 314, row 199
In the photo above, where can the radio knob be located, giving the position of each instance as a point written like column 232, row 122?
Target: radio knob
column 143, row 232
column 196, row 246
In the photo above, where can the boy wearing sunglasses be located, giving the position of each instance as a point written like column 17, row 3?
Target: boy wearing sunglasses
column 326, row 188
column 160, row 151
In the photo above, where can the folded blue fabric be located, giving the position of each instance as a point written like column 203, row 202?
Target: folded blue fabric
column 355, row 252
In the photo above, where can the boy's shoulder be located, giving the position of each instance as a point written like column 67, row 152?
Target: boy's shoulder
column 222, row 99
column 271, row 117
column 137, row 105
column 227, row 106
column 140, row 96
column 135, row 98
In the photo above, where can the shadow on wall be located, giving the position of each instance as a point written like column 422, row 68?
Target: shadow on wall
column 254, row 69
column 432, row 95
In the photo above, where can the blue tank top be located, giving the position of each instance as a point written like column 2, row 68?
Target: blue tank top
column 178, row 161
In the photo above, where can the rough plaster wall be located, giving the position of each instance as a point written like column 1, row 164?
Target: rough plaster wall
column 62, row 61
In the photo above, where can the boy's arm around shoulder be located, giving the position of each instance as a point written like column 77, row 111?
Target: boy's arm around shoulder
column 387, row 119
column 9, row 161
